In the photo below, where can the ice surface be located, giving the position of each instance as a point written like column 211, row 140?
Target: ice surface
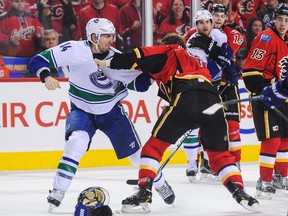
column 24, row 193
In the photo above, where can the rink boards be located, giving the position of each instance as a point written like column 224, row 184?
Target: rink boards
column 32, row 123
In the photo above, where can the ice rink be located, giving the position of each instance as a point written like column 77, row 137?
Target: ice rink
column 24, row 193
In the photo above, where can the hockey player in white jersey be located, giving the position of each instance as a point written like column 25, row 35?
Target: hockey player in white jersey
column 95, row 104
column 215, row 52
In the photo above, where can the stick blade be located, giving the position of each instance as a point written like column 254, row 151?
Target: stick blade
column 212, row 109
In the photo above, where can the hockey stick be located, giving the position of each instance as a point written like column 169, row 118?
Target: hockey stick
column 224, row 88
column 213, row 109
column 178, row 145
column 279, row 113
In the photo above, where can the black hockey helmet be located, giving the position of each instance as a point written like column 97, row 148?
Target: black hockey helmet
column 281, row 9
column 218, row 8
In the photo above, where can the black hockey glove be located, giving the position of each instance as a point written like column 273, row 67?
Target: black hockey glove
column 206, row 43
column 224, row 57
column 231, row 74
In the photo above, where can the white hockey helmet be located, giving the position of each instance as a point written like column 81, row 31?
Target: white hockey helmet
column 202, row 15
column 99, row 26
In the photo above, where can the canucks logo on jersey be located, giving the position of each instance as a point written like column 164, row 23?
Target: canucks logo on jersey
column 100, row 80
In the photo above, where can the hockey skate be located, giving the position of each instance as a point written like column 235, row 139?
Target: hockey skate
column 138, row 202
column 166, row 192
column 264, row 189
column 277, row 180
column 241, row 197
column 206, row 173
column 54, row 199
column 192, row 170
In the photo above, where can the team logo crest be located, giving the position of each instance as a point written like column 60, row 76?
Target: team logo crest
column 100, row 80
column 246, row 6
column 283, row 67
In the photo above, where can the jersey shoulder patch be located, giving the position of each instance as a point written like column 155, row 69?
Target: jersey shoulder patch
column 265, row 38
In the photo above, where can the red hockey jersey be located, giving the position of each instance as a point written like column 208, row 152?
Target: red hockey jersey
column 267, row 57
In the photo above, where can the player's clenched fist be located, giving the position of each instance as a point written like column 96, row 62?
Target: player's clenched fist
column 51, row 83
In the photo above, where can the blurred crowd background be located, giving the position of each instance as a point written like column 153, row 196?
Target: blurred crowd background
column 28, row 27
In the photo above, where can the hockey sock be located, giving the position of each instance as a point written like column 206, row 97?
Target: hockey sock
column 159, row 180
column 268, row 152
column 74, row 149
column 235, row 140
column 152, row 153
column 135, row 158
column 191, row 145
column 281, row 163
column 223, row 163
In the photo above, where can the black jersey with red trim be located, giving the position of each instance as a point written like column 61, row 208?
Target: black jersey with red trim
column 163, row 63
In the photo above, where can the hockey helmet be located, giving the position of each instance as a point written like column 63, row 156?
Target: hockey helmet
column 93, row 201
column 202, row 15
column 99, row 26
column 281, row 9
column 218, row 8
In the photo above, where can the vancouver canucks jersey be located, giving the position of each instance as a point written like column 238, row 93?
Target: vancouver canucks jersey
column 90, row 90
column 215, row 70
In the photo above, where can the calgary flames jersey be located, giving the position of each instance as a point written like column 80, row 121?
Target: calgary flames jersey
column 235, row 38
column 267, row 57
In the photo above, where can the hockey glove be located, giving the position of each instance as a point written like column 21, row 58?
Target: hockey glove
column 224, row 57
column 206, row 43
column 231, row 74
column 276, row 94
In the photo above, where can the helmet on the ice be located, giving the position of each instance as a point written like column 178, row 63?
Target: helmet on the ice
column 281, row 9
column 99, row 26
column 203, row 15
column 93, row 201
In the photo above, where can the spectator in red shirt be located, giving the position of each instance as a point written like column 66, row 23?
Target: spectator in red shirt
column 177, row 22
column 58, row 15
column 5, row 6
column 160, row 10
column 118, row 3
column 247, row 9
column 78, row 5
column 98, row 9
column 130, row 16
column 20, row 32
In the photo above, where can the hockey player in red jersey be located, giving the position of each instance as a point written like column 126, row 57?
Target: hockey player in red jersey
column 185, row 82
column 234, row 40
column 265, row 64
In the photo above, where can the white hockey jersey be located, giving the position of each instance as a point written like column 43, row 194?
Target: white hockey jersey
column 215, row 70
column 90, row 90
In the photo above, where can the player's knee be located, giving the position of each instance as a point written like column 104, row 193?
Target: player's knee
column 77, row 145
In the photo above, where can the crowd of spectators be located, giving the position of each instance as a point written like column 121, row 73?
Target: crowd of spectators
column 24, row 24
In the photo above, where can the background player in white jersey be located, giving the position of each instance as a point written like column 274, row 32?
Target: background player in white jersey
column 211, row 45
column 95, row 104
